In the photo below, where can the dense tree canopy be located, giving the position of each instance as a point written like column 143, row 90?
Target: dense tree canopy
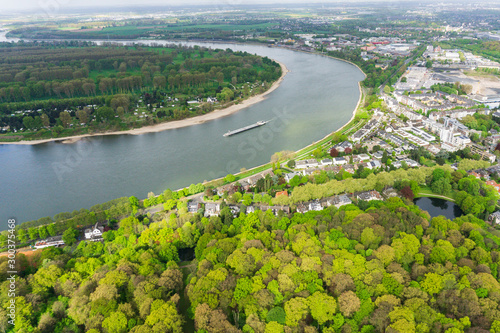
column 382, row 269
column 65, row 86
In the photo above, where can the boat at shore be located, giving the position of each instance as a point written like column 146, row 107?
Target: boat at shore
column 246, row 128
column 51, row 241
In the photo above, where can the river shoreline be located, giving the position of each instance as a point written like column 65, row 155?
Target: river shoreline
column 216, row 114
column 332, row 110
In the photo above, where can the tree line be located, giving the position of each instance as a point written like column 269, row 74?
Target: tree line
column 40, row 72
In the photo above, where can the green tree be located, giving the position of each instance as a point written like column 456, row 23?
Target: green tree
column 432, row 283
column 442, row 252
column 405, row 248
column 276, row 314
column 229, row 178
column 441, row 186
column 115, row 323
column 22, row 235
column 42, row 231
column 243, row 288
column 69, row 236
column 33, row 233
column 274, row 327
column 45, row 120
column 296, row 310
column 65, row 118
column 51, row 229
column 82, row 116
column 164, row 317
column 104, row 114
column 322, row 307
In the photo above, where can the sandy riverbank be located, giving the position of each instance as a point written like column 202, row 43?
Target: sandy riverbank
column 172, row 124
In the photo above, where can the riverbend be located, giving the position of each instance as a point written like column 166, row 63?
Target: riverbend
column 317, row 97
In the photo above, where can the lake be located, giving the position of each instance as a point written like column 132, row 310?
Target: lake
column 437, row 207
column 317, row 97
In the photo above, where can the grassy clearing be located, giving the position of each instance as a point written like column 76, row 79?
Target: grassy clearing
column 481, row 74
column 425, row 191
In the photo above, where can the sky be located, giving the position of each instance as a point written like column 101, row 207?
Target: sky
column 57, row 5
column 34, row 4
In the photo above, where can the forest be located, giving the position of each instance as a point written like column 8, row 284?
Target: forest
column 65, row 88
column 378, row 266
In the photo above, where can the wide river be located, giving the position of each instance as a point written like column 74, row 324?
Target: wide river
column 317, row 97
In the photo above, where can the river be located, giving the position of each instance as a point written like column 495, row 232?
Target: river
column 317, row 97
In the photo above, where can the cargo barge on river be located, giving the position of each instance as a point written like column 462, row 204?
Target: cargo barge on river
column 246, row 128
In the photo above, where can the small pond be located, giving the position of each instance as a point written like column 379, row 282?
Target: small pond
column 437, row 207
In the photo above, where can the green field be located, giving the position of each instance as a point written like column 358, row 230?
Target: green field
column 139, row 30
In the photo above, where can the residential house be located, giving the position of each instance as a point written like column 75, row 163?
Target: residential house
column 276, row 209
column 483, row 173
column 229, row 188
column 326, row 161
column 494, row 218
column 253, row 180
column 411, row 163
column 494, row 169
column 340, row 200
column 342, row 146
column 290, row 175
column 250, row 209
column 315, row 205
column 212, row 209
column 369, row 196
column 360, row 158
column 350, row 168
column 282, row 193
column 94, row 233
column 193, row 206
column 475, row 174
column 302, row 208
column 390, row 192
column 234, row 209
column 305, row 164
column 308, row 172
column 245, row 185
column 373, row 164
column 494, row 184
column 267, row 172
column 339, row 161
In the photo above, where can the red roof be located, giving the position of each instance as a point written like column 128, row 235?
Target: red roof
column 279, row 194
column 494, row 184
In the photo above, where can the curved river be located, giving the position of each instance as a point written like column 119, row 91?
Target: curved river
column 317, row 96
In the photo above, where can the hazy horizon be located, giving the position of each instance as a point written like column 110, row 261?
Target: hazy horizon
column 65, row 5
